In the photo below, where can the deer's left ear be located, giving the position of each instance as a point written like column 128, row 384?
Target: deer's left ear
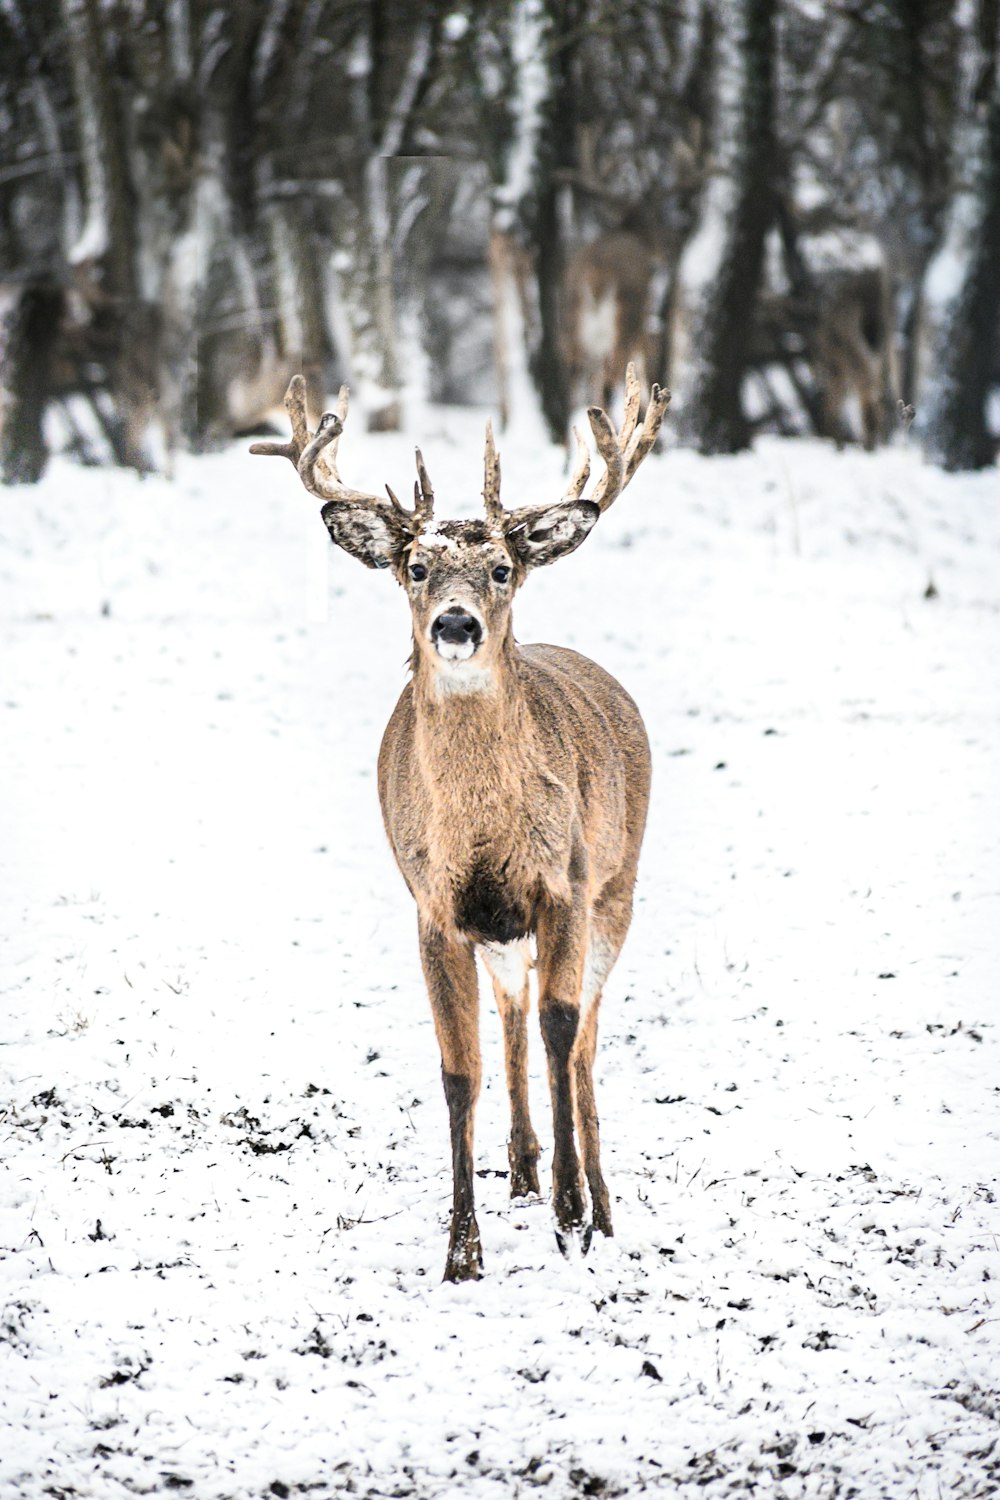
column 553, row 533
column 374, row 536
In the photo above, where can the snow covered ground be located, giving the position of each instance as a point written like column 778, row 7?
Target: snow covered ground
column 224, row 1179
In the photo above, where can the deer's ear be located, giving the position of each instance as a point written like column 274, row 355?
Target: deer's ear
column 374, row 537
column 553, row 533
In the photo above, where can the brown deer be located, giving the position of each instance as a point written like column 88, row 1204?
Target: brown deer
column 606, row 323
column 513, row 782
column 853, row 354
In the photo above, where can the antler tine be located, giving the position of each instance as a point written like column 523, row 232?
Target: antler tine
column 329, row 460
column 623, row 452
column 495, row 512
column 612, row 481
column 398, row 506
column 295, row 405
column 633, row 401
column 646, row 436
column 582, row 471
column 329, row 430
column 510, row 520
column 305, row 448
column 423, row 495
column 274, row 450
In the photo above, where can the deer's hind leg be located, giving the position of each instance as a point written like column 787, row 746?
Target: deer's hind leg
column 562, row 944
column 508, row 965
column 450, row 971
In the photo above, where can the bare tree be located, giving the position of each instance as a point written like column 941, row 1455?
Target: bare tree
column 524, row 58
column 715, row 418
column 900, row 79
column 959, row 435
column 27, row 344
column 197, row 198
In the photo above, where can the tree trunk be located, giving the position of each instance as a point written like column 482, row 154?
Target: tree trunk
column 26, row 378
column 904, row 38
column 385, row 101
column 958, row 432
column 107, row 236
column 557, row 153
column 302, row 329
column 716, row 421
column 548, row 368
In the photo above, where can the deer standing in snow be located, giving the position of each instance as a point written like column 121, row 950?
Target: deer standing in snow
column 853, row 353
column 514, row 782
column 606, row 322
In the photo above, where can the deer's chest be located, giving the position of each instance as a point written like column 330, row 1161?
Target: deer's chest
column 488, row 906
column 479, row 866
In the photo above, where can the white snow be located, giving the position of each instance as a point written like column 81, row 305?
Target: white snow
column 224, row 1179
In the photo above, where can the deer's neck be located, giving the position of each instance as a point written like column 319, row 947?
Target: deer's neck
column 474, row 736
column 470, row 717
column 497, row 822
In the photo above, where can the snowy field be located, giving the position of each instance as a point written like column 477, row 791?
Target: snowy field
column 224, row 1178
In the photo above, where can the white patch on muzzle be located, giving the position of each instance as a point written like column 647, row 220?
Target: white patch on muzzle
column 455, row 654
column 454, row 650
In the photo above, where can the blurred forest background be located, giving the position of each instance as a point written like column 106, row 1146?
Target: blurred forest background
column 788, row 210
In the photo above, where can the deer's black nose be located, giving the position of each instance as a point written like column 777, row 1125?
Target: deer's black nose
column 456, row 626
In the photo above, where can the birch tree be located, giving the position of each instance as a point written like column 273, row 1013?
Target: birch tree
column 968, row 355
column 716, row 420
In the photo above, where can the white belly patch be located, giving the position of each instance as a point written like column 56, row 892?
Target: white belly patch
column 508, row 964
column 596, row 967
column 598, row 324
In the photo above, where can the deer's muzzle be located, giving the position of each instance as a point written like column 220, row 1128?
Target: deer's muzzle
column 456, row 634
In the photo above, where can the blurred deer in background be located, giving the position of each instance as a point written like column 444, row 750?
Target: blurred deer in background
column 832, row 327
column 514, row 783
column 607, row 312
column 853, row 354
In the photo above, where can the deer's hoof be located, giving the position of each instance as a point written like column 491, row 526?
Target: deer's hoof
column 524, row 1180
column 602, row 1221
column 465, row 1256
column 574, row 1240
column 602, row 1215
column 524, row 1169
column 463, row 1270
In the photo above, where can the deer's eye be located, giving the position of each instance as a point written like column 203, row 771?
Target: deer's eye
column 501, row 573
column 418, row 572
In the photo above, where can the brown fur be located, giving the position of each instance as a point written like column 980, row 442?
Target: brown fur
column 853, row 354
column 612, row 274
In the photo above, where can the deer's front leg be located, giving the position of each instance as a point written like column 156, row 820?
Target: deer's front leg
column 562, row 942
column 450, row 971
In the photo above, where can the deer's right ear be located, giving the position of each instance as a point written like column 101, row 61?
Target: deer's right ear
column 374, row 537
